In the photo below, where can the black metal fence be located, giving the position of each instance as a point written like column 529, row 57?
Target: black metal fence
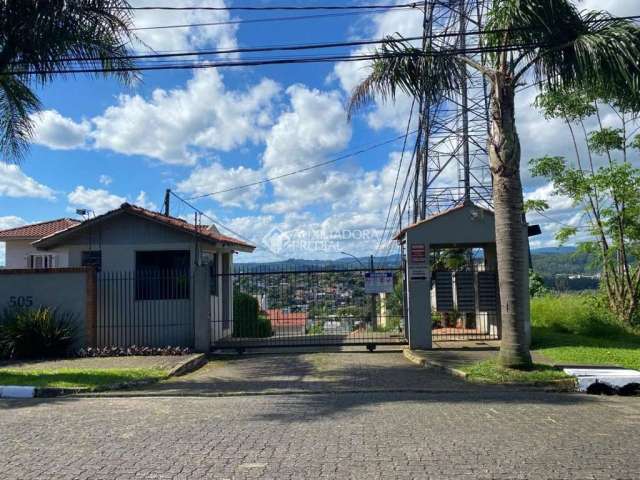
column 307, row 306
column 465, row 306
column 151, row 308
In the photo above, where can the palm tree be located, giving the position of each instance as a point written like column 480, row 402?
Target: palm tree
column 39, row 39
column 547, row 41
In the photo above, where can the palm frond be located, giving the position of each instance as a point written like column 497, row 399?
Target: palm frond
column 565, row 47
column 37, row 37
column 398, row 65
column 17, row 104
column 41, row 38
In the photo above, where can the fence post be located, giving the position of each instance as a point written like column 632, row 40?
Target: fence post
column 201, row 309
column 91, row 310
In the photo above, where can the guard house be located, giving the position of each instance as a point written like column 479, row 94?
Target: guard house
column 451, row 304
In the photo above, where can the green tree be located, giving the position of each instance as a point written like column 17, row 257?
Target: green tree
column 608, row 195
column 536, row 285
column 548, row 41
column 36, row 37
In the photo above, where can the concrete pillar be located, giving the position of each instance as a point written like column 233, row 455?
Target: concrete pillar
column 418, row 295
column 91, row 311
column 201, row 309
column 491, row 265
column 525, row 288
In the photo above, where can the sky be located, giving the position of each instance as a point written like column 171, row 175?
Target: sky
column 98, row 143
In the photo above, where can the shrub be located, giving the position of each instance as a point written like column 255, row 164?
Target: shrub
column 36, row 333
column 247, row 320
column 134, row 350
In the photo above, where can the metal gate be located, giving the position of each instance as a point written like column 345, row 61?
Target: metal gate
column 465, row 305
column 145, row 308
column 307, row 307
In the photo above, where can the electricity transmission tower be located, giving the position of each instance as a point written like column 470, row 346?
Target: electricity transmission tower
column 451, row 161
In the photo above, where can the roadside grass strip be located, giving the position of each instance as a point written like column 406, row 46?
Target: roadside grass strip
column 489, row 371
column 78, row 378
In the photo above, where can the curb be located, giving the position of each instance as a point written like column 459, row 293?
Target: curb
column 561, row 385
column 189, row 365
column 418, row 360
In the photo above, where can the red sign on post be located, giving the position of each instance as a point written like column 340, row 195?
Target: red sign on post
column 418, row 253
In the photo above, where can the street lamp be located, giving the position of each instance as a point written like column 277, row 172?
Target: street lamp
column 354, row 257
column 374, row 313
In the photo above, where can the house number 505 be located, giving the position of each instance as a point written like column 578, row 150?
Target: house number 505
column 19, row 301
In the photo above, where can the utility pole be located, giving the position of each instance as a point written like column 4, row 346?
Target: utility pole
column 167, row 202
column 374, row 310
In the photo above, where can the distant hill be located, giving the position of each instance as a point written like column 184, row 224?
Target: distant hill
column 302, row 264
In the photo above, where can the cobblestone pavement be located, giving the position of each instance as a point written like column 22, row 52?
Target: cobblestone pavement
column 306, row 373
column 473, row 432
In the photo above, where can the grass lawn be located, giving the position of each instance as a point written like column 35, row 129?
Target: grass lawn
column 570, row 329
column 490, row 372
column 567, row 348
column 77, row 377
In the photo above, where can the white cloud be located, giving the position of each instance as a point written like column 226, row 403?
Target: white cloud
column 189, row 38
column 98, row 200
column 215, row 177
column 172, row 126
column 105, row 180
column 14, row 183
column 101, row 201
column 312, row 129
column 615, row 7
column 389, row 114
column 59, row 133
column 11, row 221
column 142, row 201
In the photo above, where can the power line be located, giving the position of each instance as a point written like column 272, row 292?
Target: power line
column 395, row 185
column 312, row 46
column 270, row 48
column 262, row 20
column 219, row 223
column 274, row 7
column 302, row 170
column 258, row 49
column 259, row 62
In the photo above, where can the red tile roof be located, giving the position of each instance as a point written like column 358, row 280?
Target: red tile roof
column 202, row 232
column 36, row 231
column 279, row 318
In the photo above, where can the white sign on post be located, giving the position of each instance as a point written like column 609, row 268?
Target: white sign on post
column 378, row 282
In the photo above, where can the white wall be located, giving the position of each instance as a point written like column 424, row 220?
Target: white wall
column 17, row 251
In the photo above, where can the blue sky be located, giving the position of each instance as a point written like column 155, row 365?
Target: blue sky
column 98, row 143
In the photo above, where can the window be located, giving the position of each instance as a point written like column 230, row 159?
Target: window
column 162, row 275
column 92, row 258
column 211, row 260
column 40, row 260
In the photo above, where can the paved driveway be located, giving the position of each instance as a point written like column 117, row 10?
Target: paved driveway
column 307, row 373
column 461, row 431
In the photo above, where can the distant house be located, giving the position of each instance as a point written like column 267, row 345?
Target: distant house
column 20, row 252
column 287, row 323
column 129, row 238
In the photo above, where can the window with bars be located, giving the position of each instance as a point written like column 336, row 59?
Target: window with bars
column 40, row 260
column 163, row 275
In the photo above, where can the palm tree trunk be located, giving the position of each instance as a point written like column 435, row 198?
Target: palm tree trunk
column 511, row 229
